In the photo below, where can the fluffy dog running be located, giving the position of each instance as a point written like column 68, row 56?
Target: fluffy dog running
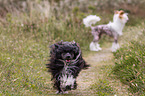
column 113, row 29
column 65, row 64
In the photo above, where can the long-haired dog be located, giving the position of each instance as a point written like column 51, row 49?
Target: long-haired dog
column 113, row 29
column 65, row 64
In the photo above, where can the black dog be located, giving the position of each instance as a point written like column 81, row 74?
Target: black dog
column 65, row 64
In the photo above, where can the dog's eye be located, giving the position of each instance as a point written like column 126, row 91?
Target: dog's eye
column 71, row 52
column 63, row 53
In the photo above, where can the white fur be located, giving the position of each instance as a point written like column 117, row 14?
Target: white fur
column 67, row 81
column 115, row 46
column 95, row 46
column 91, row 19
column 118, row 23
column 66, row 92
column 115, row 17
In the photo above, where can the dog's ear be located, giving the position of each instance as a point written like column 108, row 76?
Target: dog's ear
column 116, row 11
column 78, row 45
column 121, row 12
column 75, row 44
column 54, row 46
column 73, row 41
column 60, row 42
column 126, row 13
column 77, row 48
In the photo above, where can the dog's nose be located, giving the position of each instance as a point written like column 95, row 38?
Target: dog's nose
column 68, row 56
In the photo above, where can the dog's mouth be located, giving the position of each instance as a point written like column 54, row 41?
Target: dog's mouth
column 67, row 61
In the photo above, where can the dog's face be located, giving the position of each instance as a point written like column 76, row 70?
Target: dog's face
column 68, row 55
column 121, row 15
column 65, row 50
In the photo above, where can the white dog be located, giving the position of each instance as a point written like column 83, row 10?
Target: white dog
column 113, row 29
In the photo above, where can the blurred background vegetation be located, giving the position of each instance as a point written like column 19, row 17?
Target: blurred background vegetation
column 29, row 27
column 58, row 19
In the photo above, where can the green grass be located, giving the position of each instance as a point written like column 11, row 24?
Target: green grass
column 102, row 88
column 23, row 68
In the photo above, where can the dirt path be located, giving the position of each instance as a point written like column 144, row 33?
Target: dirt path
column 96, row 72
column 95, row 60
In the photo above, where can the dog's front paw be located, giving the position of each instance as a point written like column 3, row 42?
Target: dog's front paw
column 120, row 33
column 66, row 92
column 115, row 46
column 94, row 50
column 61, row 92
column 95, row 47
column 98, row 47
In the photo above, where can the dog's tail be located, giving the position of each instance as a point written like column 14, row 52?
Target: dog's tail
column 91, row 19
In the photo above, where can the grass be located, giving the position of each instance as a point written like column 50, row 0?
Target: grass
column 102, row 88
column 130, row 66
column 26, row 37
column 130, row 61
column 21, row 66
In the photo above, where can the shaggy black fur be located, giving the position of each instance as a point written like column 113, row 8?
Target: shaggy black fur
column 65, row 60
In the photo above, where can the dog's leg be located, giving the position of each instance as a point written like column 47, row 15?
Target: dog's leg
column 60, row 91
column 115, row 44
column 98, row 46
column 94, row 46
column 57, row 85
